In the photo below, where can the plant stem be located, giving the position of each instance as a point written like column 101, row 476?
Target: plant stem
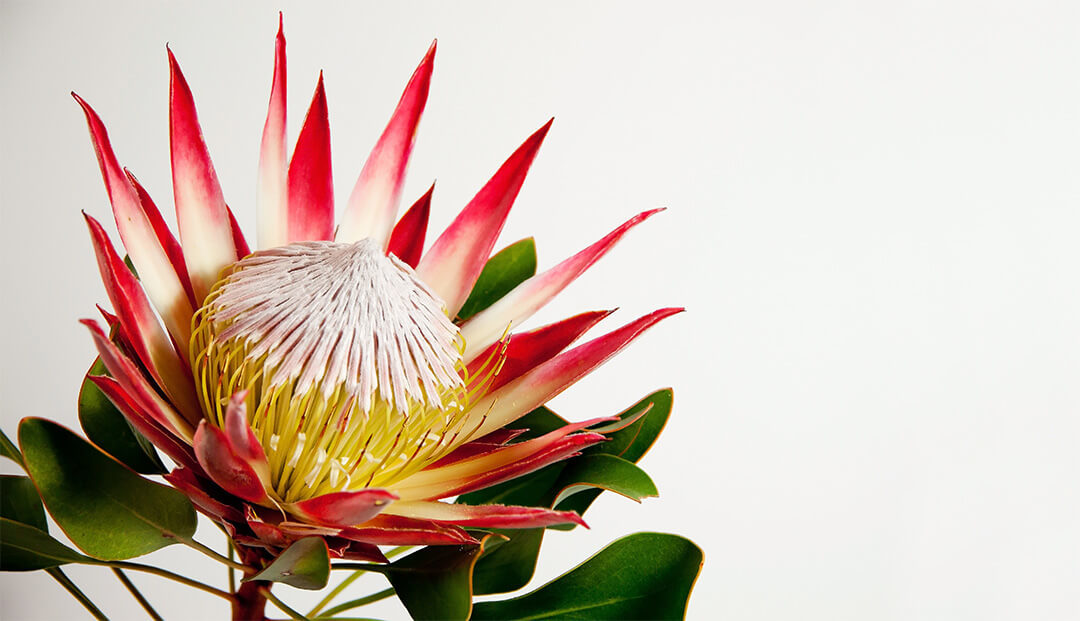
column 232, row 578
column 249, row 604
column 282, row 606
column 136, row 594
column 195, row 545
column 164, row 573
column 334, row 593
column 398, row 550
column 356, row 603
column 66, row 582
column 347, row 581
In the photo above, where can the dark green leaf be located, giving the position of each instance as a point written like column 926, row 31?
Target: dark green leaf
column 629, row 443
column 130, row 266
column 507, row 269
column 305, row 565
column 537, row 423
column 578, row 503
column 19, row 501
column 634, row 441
column 436, row 582
column 642, row 576
column 605, row 472
column 8, row 449
column 511, row 565
column 107, row 428
column 108, row 511
column 25, row 548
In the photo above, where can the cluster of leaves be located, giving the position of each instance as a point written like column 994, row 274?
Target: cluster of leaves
column 642, row 576
column 95, row 493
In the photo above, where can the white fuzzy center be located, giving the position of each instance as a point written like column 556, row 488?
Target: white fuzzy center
column 340, row 316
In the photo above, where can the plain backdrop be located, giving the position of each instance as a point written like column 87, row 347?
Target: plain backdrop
column 872, row 221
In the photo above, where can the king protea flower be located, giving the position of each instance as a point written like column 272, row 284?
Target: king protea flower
column 323, row 384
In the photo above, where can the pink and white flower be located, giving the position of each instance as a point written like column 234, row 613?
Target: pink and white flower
column 324, row 384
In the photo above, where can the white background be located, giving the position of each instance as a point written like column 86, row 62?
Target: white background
column 873, row 222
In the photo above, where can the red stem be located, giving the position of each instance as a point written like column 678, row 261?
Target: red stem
column 249, row 603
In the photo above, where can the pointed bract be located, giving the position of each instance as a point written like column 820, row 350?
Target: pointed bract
column 397, row 530
column 111, row 320
column 514, row 400
column 310, row 182
column 502, row 464
column 142, row 421
column 141, row 393
column 526, row 350
column 485, row 516
column 242, row 249
column 344, row 508
column 242, row 440
column 165, row 237
column 486, row 326
column 355, row 550
column 270, row 197
column 453, row 263
column 268, row 533
column 407, row 239
column 140, row 326
column 227, row 467
column 375, row 198
column 166, row 281
column 481, row 446
column 200, row 206
column 185, row 480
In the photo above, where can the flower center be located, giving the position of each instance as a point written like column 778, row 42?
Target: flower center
column 353, row 369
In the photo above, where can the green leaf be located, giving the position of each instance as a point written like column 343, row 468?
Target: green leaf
column 511, row 565
column 629, row 443
column 106, row 427
column 642, row 576
column 9, row 450
column 436, row 582
column 605, row 472
column 507, row 269
column 19, row 501
column 25, row 548
column 305, row 565
column 635, row 440
column 537, row 423
column 108, row 511
column 579, row 503
column 131, row 266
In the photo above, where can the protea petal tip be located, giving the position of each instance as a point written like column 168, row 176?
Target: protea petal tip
column 453, row 263
column 203, row 219
column 374, row 200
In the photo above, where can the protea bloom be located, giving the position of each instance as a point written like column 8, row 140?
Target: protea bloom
column 324, row 384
